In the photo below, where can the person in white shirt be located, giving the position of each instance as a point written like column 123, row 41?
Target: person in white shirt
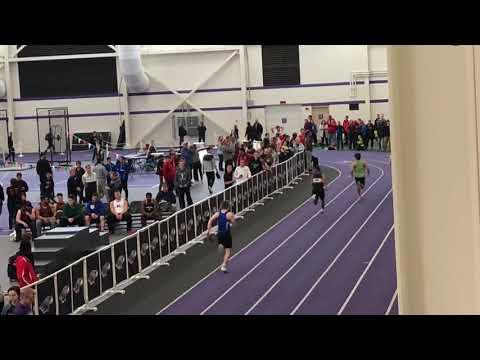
column 89, row 180
column 119, row 212
column 242, row 172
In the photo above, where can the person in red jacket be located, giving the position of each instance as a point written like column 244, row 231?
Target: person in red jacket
column 332, row 130
column 169, row 170
column 346, row 125
column 24, row 263
column 243, row 156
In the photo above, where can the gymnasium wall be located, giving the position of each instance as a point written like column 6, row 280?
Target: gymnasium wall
column 324, row 72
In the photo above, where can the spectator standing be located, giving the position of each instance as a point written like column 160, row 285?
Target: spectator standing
column 324, row 128
column 220, row 152
column 169, row 169
column 11, row 149
column 339, row 136
column 119, row 211
column 183, row 181
column 79, row 171
column 386, row 135
column 308, row 151
column 256, row 164
column 210, row 169
column 13, row 201
column 160, row 171
column 24, row 263
column 228, row 179
column 43, row 167
column 74, row 186
column 47, row 187
column 196, row 164
column 202, row 129
column 257, row 130
column 351, row 135
column 249, row 132
column 187, row 154
column 21, row 184
column 314, row 129
column 332, row 130
column 228, row 149
column 101, row 173
column 235, row 132
column 13, row 294
column 45, row 216
column 371, row 134
column 24, row 306
column 72, row 213
column 89, row 181
column 182, row 132
column 149, row 209
column 123, row 170
column 2, row 198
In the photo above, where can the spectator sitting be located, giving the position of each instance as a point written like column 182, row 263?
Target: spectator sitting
column 25, row 265
column 166, row 201
column 149, row 209
column 45, row 216
column 95, row 212
column 58, row 206
column 24, row 306
column 25, row 219
column 242, row 172
column 72, row 213
column 119, row 212
column 47, row 187
column 13, row 298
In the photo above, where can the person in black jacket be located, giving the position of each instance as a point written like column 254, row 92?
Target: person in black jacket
column 49, row 140
column 182, row 132
column 249, row 132
column 257, row 131
column 11, row 149
column 166, row 200
column 47, row 188
column 74, row 185
column 21, row 184
column 13, row 201
column 79, row 171
column 201, row 132
column 183, row 181
column 2, row 198
column 43, row 167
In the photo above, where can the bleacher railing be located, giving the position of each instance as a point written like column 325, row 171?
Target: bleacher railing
column 85, row 283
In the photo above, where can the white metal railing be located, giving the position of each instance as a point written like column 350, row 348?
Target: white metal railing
column 85, row 283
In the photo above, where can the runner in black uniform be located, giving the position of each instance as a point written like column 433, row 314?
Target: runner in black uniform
column 318, row 186
column 225, row 219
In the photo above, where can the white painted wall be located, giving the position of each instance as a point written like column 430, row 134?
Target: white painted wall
column 322, row 67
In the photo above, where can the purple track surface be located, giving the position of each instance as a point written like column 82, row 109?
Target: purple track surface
column 342, row 261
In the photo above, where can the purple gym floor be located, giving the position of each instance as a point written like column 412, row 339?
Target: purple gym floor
column 339, row 262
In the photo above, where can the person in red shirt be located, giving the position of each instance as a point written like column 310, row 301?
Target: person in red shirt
column 332, row 130
column 301, row 136
column 346, row 126
column 243, row 156
column 169, row 170
column 24, row 263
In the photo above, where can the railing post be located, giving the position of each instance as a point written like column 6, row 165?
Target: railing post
column 55, row 287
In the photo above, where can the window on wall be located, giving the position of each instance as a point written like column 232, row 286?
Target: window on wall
column 73, row 77
column 281, row 65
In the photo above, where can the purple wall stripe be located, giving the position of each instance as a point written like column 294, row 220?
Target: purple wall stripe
column 378, row 81
column 379, row 101
column 335, row 103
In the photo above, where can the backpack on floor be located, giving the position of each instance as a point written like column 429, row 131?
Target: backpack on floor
column 12, row 267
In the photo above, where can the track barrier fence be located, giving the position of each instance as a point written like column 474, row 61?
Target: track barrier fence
column 82, row 285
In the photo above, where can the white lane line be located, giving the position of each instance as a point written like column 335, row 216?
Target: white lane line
column 360, row 279
column 288, row 238
column 253, row 241
column 338, row 255
column 390, row 306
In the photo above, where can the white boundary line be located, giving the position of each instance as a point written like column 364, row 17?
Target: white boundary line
column 390, row 306
column 338, row 255
column 288, row 238
column 253, row 241
column 360, row 279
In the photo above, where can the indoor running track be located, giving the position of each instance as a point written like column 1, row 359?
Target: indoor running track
column 339, row 262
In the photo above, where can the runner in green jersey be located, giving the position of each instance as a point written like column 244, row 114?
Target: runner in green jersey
column 359, row 171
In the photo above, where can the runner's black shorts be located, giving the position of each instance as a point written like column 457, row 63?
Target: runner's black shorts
column 225, row 239
column 360, row 181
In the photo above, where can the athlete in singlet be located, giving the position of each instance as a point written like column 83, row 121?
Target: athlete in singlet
column 359, row 171
column 318, row 189
column 225, row 219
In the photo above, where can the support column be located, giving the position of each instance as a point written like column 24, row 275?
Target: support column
column 10, row 105
column 243, row 84
column 435, row 167
column 123, row 107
